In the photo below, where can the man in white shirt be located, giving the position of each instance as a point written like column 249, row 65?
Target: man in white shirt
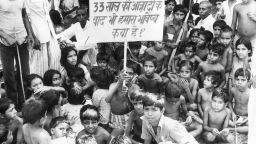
column 207, row 19
column 227, row 9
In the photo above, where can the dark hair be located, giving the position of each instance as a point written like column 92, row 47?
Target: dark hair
column 64, row 55
column 186, row 63
column 50, row 98
column 5, row 104
column 219, row 23
column 31, row 77
column 33, row 110
column 137, row 96
column 194, row 30
column 151, row 99
column 134, row 45
column 215, row 77
column 168, row 1
column 190, row 44
column 121, row 139
column 243, row 72
column 103, row 77
column 89, row 117
column 55, row 17
column 246, row 42
column 172, row 90
column 220, row 94
column 77, row 74
column 102, row 56
column 227, row 29
column 73, row 97
column 151, row 59
column 207, row 35
column 130, row 64
column 56, row 121
column 217, row 48
column 181, row 9
column 48, row 76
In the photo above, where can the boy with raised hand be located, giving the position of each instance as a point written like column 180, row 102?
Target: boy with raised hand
column 216, row 118
column 160, row 128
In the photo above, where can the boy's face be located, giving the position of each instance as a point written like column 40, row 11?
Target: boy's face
column 242, row 51
column 189, row 52
column 102, row 63
column 72, row 58
column 201, row 40
column 213, row 57
column 241, row 83
column 149, row 68
column 158, row 46
column 218, row 104
column 90, row 126
column 170, row 6
column 218, row 4
column 185, row 72
column 138, row 106
column 153, row 114
column 226, row 38
column 11, row 112
column 208, row 82
column 56, row 80
column 216, row 31
column 179, row 16
column 36, row 84
column 60, row 130
column 194, row 37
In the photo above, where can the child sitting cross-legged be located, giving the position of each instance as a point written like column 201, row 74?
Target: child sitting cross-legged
column 92, row 133
column 216, row 118
column 162, row 129
column 134, row 124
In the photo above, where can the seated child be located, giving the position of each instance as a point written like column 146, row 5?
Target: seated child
column 204, row 97
column 239, row 97
column 189, row 54
column 102, row 78
column 212, row 64
column 34, row 114
column 134, row 124
column 217, row 28
column 203, row 43
column 156, row 126
column 176, row 108
column 160, row 54
column 216, row 118
column 11, row 123
column 150, row 81
column 92, row 133
column 118, row 97
column 59, row 131
column 121, row 139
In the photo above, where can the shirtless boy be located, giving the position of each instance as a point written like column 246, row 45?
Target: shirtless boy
column 240, row 93
column 204, row 98
column 216, row 118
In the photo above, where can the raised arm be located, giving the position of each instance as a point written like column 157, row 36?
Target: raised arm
column 234, row 19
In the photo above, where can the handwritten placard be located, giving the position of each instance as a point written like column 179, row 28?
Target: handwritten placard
column 131, row 20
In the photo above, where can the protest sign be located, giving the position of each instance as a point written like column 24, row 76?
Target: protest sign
column 130, row 20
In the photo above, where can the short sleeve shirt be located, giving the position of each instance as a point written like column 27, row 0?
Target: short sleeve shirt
column 169, row 130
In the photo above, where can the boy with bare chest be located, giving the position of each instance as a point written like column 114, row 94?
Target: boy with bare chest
column 240, row 93
column 216, row 118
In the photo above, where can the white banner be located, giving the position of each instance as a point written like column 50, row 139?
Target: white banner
column 131, row 20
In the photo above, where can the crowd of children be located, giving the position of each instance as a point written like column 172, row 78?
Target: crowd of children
column 187, row 90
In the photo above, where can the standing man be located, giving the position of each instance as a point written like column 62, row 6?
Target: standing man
column 13, row 43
